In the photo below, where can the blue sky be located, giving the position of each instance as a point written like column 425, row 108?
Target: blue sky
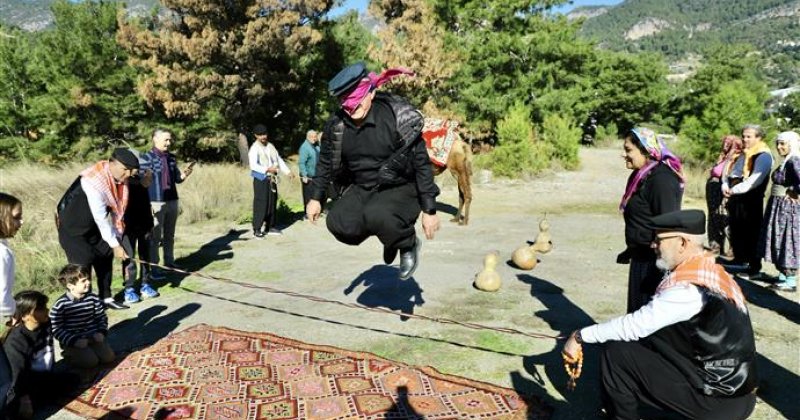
column 361, row 5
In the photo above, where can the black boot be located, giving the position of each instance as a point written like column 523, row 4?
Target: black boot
column 389, row 254
column 409, row 260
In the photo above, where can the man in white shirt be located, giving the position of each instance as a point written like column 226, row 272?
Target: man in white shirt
column 265, row 163
column 90, row 218
column 691, row 349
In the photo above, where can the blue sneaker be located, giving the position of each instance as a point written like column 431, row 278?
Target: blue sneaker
column 148, row 292
column 131, row 296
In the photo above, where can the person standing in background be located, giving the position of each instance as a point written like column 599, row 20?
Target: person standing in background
column 309, row 155
column 164, row 198
column 265, row 163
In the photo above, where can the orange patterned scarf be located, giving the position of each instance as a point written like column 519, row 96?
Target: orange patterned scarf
column 115, row 194
column 703, row 271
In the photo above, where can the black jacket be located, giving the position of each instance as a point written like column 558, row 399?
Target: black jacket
column 660, row 192
column 409, row 163
column 715, row 349
column 21, row 346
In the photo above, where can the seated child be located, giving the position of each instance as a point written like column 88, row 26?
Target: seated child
column 29, row 347
column 79, row 320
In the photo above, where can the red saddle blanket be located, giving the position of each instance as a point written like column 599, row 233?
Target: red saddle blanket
column 439, row 137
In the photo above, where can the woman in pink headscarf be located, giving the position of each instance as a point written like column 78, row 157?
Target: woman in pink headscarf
column 717, row 211
column 654, row 187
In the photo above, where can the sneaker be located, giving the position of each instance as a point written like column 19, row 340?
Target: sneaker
column 274, row 232
column 783, row 287
column 111, row 304
column 258, row 235
column 131, row 296
column 148, row 292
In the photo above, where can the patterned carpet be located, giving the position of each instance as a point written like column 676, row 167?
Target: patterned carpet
column 208, row 372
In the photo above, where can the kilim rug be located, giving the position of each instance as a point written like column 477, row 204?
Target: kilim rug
column 439, row 136
column 209, row 373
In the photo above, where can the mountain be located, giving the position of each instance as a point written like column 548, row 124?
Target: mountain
column 686, row 28
column 34, row 15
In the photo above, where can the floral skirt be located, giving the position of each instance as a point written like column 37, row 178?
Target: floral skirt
column 780, row 235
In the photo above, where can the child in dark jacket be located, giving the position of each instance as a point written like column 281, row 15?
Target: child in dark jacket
column 29, row 348
column 138, row 232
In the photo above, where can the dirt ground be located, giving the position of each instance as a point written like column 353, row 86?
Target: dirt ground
column 575, row 285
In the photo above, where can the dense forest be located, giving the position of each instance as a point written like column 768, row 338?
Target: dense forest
column 514, row 73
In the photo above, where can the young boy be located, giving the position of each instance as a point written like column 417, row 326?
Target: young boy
column 79, row 320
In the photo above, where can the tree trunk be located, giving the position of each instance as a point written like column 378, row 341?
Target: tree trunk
column 241, row 144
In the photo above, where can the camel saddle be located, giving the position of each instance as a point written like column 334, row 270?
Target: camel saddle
column 439, row 136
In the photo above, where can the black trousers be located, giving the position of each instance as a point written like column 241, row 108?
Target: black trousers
column 632, row 373
column 745, row 216
column 90, row 251
column 643, row 279
column 135, row 241
column 265, row 204
column 306, row 193
column 389, row 214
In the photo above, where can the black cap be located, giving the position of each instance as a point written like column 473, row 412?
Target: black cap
column 692, row 222
column 125, row 157
column 260, row 129
column 347, row 79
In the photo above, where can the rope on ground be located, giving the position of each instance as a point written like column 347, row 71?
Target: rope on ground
column 312, row 298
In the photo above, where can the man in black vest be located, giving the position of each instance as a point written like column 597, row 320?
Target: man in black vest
column 374, row 152
column 90, row 218
column 691, row 349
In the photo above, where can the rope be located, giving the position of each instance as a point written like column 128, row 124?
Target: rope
column 313, row 298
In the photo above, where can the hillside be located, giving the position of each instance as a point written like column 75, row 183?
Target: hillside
column 681, row 28
column 34, row 15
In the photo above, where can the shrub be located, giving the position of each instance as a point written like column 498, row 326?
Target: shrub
column 564, row 138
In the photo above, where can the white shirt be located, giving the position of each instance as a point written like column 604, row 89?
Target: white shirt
column 263, row 157
column 100, row 214
column 671, row 306
column 761, row 168
column 7, row 303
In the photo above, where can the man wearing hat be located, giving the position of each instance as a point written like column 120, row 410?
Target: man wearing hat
column 90, row 218
column 375, row 157
column 691, row 348
column 265, row 164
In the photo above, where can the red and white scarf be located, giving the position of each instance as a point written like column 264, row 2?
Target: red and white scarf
column 703, row 271
column 115, row 195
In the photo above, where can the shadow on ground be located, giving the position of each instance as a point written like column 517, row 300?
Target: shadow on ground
column 125, row 337
column 769, row 300
column 563, row 316
column 385, row 289
column 217, row 249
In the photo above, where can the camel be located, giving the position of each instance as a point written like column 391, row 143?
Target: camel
column 459, row 161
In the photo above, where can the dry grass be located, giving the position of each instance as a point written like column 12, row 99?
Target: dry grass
column 213, row 192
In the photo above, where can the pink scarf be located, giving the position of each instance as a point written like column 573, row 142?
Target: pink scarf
column 658, row 153
column 114, row 195
column 372, row 82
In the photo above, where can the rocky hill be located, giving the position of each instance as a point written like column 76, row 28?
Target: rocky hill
column 685, row 28
column 34, row 15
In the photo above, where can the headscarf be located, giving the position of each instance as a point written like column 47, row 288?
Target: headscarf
column 659, row 153
column 373, row 81
column 793, row 140
column 731, row 149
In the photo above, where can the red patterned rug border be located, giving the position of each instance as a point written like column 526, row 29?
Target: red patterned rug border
column 82, row 409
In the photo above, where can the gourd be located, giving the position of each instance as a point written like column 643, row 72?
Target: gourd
column 488, row 279
column 524, row 257
column 543, row 243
